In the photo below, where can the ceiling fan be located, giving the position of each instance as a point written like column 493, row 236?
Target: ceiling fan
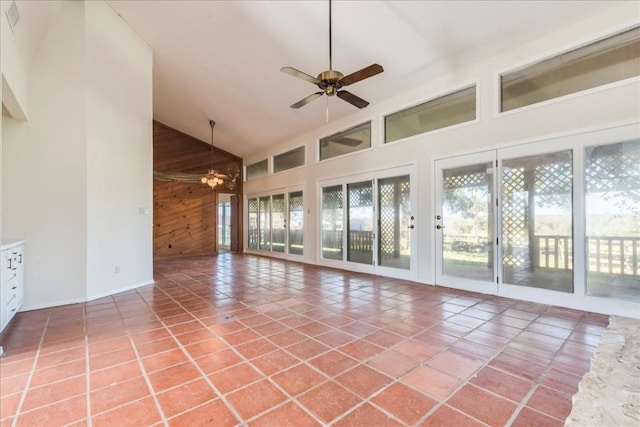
column 331, row 81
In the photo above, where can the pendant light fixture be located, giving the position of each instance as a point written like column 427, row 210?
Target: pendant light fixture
column 213, row 178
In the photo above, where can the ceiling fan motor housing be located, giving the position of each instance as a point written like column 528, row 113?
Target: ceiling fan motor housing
column 330, row 81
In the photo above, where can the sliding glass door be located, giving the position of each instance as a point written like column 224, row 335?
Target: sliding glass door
column 556, row 222
column 380, row 227
column 275, row 223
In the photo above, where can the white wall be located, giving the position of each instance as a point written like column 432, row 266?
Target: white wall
column 119, row 153
column 59, row 190
column 44, row 166
column 595, row 108
column 14, row 76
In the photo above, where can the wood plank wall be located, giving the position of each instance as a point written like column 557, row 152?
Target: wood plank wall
column 184, row 215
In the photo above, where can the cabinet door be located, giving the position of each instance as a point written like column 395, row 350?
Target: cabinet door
column 20, row 276
column 3, row 288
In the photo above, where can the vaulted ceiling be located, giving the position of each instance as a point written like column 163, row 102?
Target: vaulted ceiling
column 221, row 60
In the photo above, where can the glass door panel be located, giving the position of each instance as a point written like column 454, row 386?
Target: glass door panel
column 464, row 223
column 278, row 223
column 264, row 242
column 612, row 193
column 296, row 223
column 224, row 224
column 332, row 219
column 360, row 222
column 253, row 234
column 537, row 221
column 394, row 222
column 467, row 222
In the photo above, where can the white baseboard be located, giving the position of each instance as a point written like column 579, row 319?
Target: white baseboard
column 51, row 304
column 117, row 291
column 88, row 298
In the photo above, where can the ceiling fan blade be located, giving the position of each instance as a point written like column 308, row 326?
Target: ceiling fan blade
column 307, row 100
column 352, row 99
column 365, row 73
column 299, row 74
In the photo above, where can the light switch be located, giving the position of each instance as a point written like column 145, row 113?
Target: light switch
column 143, row 211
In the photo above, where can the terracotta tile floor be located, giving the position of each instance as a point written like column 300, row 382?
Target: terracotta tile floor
column 244, row 340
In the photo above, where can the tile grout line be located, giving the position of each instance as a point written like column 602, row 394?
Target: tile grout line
column 539, row 380
column 484, row 365
column 142, row 370
column 31, row 371
column 186, row 353
column 279, row 348
column 204, row 294
column 87, row 367
column 266, row 377
column 397, row 380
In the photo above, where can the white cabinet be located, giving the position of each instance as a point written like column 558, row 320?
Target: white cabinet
column 12, row 281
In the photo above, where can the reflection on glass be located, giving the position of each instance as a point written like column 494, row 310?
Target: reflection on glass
column 447, row 110
column 605, row 61
column 360, row 217
column 612, row 191
column 224, row 224
column 467, row 212
column 394, row 234
column 290, row 159
column 265, row 224
column 537, row 221
column 278, row 223
column 354, row 139
column 332, row 222
column 257, row 170
column 252, row 224
column 296, row 223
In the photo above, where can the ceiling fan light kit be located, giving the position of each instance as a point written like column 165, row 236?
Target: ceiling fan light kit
column 331, row 82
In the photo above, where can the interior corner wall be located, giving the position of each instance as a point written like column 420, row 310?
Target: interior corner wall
column 76, row 174
column 44, row 167
column 119, row 154
column 14, row 76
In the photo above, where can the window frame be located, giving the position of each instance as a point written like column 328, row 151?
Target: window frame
column 246, row 168
column 533, row 60
column 346, row 130
column 303, row 148
column 417, row 103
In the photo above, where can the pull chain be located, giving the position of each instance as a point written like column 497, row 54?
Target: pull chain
column 327, row 112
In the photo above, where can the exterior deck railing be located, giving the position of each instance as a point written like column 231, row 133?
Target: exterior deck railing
column 606, row 254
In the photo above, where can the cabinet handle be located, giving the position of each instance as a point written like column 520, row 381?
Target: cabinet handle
column 14, row 288
column 20, row 261
column 13, row 309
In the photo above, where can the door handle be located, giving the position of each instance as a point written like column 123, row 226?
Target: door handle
column 439, row 226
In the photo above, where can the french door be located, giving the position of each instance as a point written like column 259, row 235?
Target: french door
column 275, row 222
column 465, row 222
column 368, row 223
column 504, row 220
